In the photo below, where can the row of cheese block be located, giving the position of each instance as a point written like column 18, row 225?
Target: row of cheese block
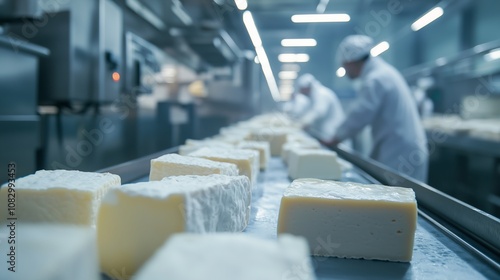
column 488, row 129
column 337, row 219
column 61, row 252
column 301, row 153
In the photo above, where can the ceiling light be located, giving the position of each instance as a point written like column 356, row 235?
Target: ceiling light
column 492, row 55
column 322, row 6
column 268, row 73
column 379, row 48
column 340, row 72
column 288, row 75
column 252, row 29
column 298, row 43
column 429, row 17
column 309, row 18
column 241, row 4
column 293, row 57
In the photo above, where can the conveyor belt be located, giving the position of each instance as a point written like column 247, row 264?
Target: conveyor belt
column 436, row 255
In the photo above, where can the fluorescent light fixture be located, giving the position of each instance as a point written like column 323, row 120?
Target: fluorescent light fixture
column 293, row 57
column 429, row 17
column 298, row 43
column 492, row 55
column 322, row 6
column 310, row 18
column 252, row 29
column 241, row 4
column 178, row 10
column 288, row 75
column 261, row 55
column 340, row 72
column 379, row 48
column 268, row 73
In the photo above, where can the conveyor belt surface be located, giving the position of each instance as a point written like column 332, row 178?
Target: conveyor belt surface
column 435, row 256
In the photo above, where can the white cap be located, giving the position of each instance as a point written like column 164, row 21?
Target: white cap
column 305, row 81
column 354, row 48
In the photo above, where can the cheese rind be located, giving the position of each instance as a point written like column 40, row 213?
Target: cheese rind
column 353, row 220
column 60, row 196
column 49, row 252
column 177, row 165
column 262, row 147
column 246, row 160
column 229, row 257
column 313, row 163
column 136, row 219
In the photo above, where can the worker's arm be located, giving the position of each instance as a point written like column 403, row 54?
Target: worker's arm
column 318, row 109
column 362, row 112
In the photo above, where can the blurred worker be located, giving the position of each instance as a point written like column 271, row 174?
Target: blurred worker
column 384, row 101
column 320, row 112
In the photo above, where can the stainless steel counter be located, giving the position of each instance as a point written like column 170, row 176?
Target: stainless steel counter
column 436, row 254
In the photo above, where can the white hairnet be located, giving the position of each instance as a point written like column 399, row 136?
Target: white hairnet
column 354, row 48
column 305, row 81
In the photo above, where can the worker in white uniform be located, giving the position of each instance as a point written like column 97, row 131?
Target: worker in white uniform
column 322, row 113
column 385, row 102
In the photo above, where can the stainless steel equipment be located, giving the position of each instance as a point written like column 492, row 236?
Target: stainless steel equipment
column 19, row 122
column 16, row 10
column 86, row 44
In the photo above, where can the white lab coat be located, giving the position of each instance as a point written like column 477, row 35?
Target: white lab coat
column 385, row 103
column 323, row 113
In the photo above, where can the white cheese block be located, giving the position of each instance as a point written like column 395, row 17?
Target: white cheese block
column 187, row 149
column 48, row 252
column 176, row 165
column 351, row 220
column 262, row 147
column 229, row 257
column 136, row 219
column 247, row 160
column 313, row 163
column 285, row 151
column 276, row 137
column 59, row 196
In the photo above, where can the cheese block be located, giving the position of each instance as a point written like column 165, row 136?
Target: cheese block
column 262, row 147
column 247, row 160
column 187, row 149
column 176, row 165
column 351, row 220
column 228, row 257
column 276, row 137
column 285, row 151
column 59, row 196
column 136, row 219
column 313, row 163
column 48, row 252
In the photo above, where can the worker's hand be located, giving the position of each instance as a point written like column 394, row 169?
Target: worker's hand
column 332, row 143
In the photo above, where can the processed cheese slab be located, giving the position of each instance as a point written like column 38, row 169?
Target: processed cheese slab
column 313, row 163
column 247, row 160
column 351, row 220
column 48, row 252
column 290, row 145
column 59, row 196
column 262, row 147
column 276, row 137
column 228, row 257
column 177, row 165
column 194, row 146
column 135, row 219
